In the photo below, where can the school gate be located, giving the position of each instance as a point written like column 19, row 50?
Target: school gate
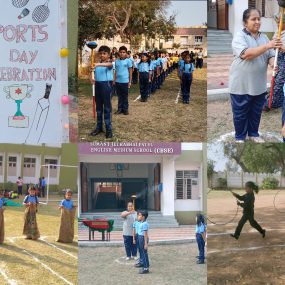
column 168, row 184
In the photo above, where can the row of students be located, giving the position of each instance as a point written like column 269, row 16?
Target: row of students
column 30, row 230
column 151, row 71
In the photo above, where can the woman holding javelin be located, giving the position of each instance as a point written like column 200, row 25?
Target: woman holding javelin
column 248, row 209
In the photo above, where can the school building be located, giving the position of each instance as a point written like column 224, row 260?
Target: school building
column 227, row 14
column 185, row 38
column 168, row 179
column 30, row 162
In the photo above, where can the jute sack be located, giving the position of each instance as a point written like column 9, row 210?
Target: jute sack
column 31, row 230
column 1, row 226
column 66, row 229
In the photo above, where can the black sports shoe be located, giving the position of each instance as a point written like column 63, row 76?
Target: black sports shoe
column 126, row 112
column 109, row 134
column 232, row 235
column 118, row 112
column 138, row 265
column 263, row 233
column 96, row 132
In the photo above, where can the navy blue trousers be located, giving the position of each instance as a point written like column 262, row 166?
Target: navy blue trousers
column 186, row 85
column 144, row 84
column 135, row 76
column 122, row 90
column 247, row 112
column 143, row 252
column 130, row 247
column 283, row 113
column 201, row 247
column 103, row 94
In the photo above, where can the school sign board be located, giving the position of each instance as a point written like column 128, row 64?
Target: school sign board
column 33, row 75
column 129, row 148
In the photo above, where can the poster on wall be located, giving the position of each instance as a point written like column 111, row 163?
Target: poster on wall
column 31, row 72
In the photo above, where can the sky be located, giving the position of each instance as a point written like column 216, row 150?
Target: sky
column 189, row 13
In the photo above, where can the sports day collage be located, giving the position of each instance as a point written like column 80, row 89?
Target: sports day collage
column 142, row 142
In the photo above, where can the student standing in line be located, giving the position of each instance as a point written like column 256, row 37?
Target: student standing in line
column 103, row 79
column 186, row 77
column 144, row 76
column 122, row 80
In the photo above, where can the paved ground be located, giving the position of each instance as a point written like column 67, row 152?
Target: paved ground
column 220, row 121
column 169, row 265
column 180, row 233
column 218, row 71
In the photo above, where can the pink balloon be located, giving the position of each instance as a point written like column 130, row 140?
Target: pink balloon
column 65, row 99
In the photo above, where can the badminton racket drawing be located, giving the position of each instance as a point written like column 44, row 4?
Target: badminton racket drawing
column 276, row 58
column 40, row 118
column 19, row 3
column 41, row 13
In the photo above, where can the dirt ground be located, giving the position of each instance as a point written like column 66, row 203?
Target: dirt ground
column 251, row 259
column 169, row 264
column 37, row 262
column 160, row 119
column 220, row 120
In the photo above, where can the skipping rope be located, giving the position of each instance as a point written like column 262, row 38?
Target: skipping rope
column 274, row 202
column 228, row 222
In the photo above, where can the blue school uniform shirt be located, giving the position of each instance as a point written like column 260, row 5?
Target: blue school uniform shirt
column 31, row 199
column 43, row 183
column 67, row 204
column 102, row 73
column 200, row 228
column 1, row 203
column 142, row 228
column 153, row 64
column 144, row 67
column 159, row 62
column 122, row 70
column 187, row 67
column 136, row 226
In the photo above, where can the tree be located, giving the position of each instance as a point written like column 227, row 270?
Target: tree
column 129, row 19
column 210, row 172
column 266, row 157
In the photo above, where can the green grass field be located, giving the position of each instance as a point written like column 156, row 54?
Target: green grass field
column 37, row 262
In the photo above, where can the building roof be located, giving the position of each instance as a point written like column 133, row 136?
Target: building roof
column 191, row 31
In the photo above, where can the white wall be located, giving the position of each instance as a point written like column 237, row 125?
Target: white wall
column 167, row 194
column 235, row 15
column 102, row 170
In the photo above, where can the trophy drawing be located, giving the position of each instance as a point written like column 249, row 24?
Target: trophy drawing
column 18, row 92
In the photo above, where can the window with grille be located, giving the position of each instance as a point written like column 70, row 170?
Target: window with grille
column 29, row 167
column 184, row 181
column 12, row 161
column 198, row 39
column 52, row 162
column 12, row 166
